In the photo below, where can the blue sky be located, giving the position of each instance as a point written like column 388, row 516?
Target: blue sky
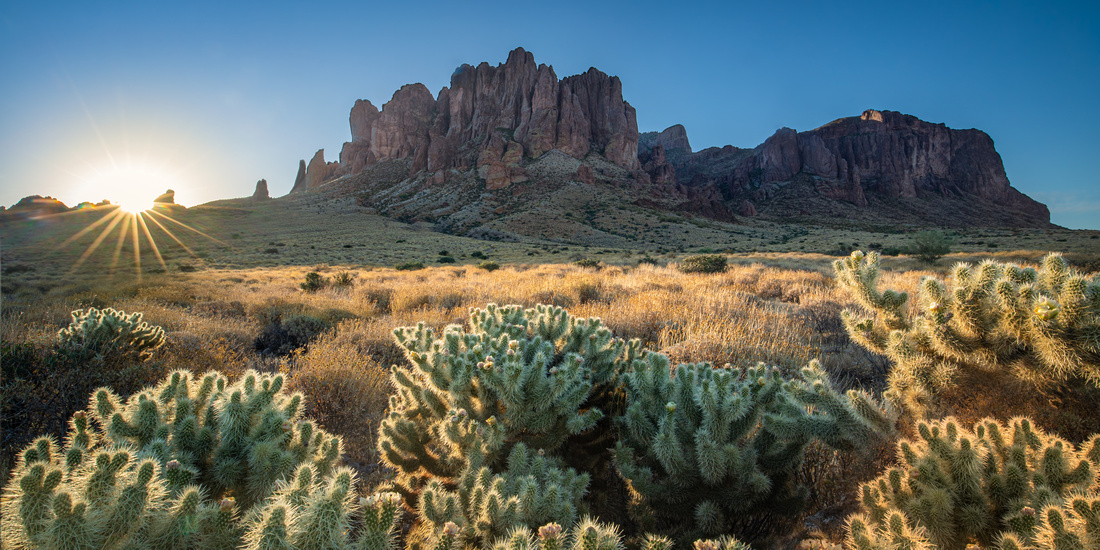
column 208, row 98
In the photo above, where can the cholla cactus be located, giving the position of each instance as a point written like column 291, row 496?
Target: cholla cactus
column 708, row 446
column 589, row 534
column 178, row 465
column 110, row 331
column 1011, row 486
column 482, row 416
column 1041, row 325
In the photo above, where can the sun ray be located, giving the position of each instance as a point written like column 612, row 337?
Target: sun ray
column 106, row 217
column 173, row 236
column 118, row 245
column 98, row 241
column 152, row 243
column 137, row 246
column 169, row 218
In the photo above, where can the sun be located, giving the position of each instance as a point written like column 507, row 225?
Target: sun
column 132, row 187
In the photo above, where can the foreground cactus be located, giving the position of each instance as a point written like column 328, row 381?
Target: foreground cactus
column 190, row 463
column 110, row 332
column 1040, row 325
column 1008, row 486
column 707, row 447
column 485, row 420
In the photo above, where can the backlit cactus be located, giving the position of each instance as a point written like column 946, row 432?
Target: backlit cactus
column 1041, row 325
column 181, row 465
column 1007, row 486
column 707, row 446
column 109, row 331
column 482, row 418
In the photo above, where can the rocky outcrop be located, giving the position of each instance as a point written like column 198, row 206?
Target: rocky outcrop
column 656, row 164
column 169, row 197
column 879, row 153
column 319, row 171
column 261, row 192
column 300, row 179
column 748, row 209
column 36, row 206
column 674, row 137
column 491, row 118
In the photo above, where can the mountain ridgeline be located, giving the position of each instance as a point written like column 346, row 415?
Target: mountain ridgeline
column 499, row 141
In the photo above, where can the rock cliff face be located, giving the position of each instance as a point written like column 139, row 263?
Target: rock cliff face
column 882, row 154
column 489, row 119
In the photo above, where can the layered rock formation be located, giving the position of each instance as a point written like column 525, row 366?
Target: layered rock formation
column 489, row 119
column 880, row 153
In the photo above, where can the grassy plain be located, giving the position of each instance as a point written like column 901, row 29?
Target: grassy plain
column 232, row 299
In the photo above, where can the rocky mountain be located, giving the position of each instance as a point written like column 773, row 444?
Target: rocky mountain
column 877, row 157
column 501, row 140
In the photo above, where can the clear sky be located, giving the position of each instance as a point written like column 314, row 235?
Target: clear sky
column 207, row 98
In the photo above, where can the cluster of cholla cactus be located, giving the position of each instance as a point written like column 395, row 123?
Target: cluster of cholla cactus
column 707, row 447
column 189, row 463
column 1041, row 325
column 486, row 421
column 589, row 534
column 110, row 332
column 1005, row 486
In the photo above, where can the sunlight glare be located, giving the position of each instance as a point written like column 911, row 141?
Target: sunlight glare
column 133, row 188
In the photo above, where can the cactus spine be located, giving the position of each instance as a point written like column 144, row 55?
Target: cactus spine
column 190, row 463
column 110, row 331
column 1011, row 486
column 707, row 446
column 478, row 428
column 1040, row 325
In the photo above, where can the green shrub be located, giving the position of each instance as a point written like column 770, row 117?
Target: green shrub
column 409, row 266
column 1041, row 326
column 930, row 245
column 647, row 259
column 446, row 260
column 1006, row 486
column 314, row 282
column 489, row 266
column 343, row 279
column 587, row 262
column 110, row 332
column 707, row 263
column 477, row 254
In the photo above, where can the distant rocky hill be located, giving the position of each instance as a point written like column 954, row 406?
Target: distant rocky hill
column 503, row 142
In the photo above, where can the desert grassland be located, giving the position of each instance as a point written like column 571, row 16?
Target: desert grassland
column 782, row 309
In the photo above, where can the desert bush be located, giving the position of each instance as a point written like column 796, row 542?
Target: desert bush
column 343, row 279
column 1007, row 486
column 1040, row 326
column 348, row 391
column 489, row 266
column 647, row 260
column 409, row 266
column 314, row 282
column 110, row 332
column 587, row 262
column 930, row 245
column 706, row 263
column 285, row 335
column 445, row 260
column 189, row 463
